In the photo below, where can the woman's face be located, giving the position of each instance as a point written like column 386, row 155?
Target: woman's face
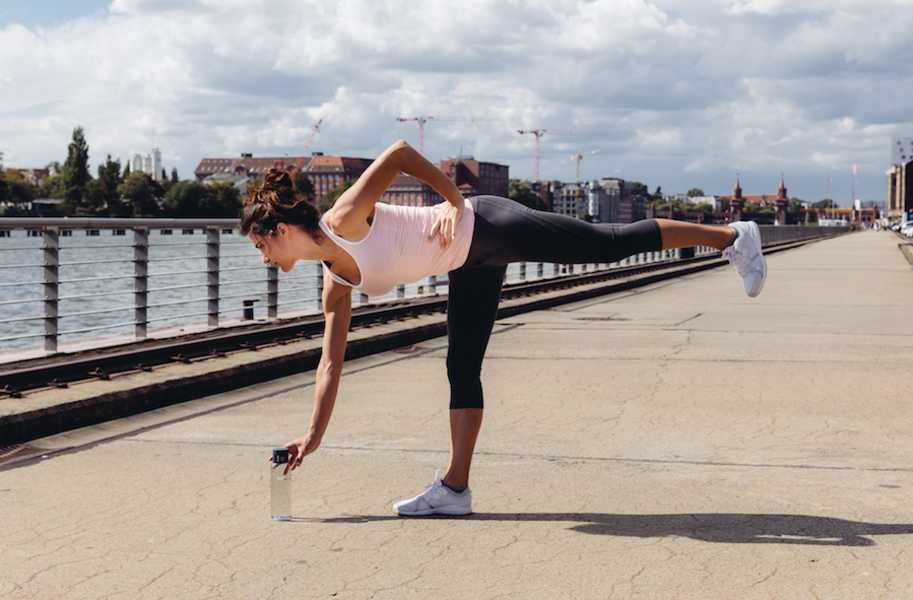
column 284, row 247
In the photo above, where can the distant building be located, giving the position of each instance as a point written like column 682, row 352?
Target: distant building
column 38, row 207
column 632, row 206
column 900, row 190
column 150, row 164
column 571, row 200
column 607, row 200
column 156, row 164
column 475, row 178
column 472, row 178
column 406, row 190
column 33, row 176
column 325, row 172
column 604, row 199
column 548, row 192
column 328, row 172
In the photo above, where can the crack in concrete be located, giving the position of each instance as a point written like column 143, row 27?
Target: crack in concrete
column 560, row 457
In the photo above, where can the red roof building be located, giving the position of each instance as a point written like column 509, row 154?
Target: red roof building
column 324, row 171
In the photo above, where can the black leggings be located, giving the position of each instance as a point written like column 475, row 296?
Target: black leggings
column 504, row 232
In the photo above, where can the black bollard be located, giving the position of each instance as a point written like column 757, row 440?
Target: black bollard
column 249, row 309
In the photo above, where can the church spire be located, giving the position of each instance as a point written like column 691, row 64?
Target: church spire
column 781, row 191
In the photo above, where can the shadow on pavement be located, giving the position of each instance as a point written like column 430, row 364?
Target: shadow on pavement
column 731, row 528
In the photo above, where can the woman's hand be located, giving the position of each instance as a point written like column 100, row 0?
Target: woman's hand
column 447, row 217
column 298, row 449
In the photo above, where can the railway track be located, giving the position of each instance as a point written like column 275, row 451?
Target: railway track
column 59, row 371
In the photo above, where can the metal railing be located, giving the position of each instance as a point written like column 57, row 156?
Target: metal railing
column 51, row 229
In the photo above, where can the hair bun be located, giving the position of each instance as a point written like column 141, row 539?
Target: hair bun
column 277, row 190
column 280, row 183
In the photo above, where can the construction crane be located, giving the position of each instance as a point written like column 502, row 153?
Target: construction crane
column 579, row 157
column 538, row 133
column 315, row 129
column 421, row 120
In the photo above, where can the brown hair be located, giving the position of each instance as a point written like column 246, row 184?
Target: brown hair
column 277, row 201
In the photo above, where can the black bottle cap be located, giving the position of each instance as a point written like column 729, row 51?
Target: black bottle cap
column 280, row 456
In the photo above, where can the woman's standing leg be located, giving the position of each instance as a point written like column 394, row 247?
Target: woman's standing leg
column 472, row 305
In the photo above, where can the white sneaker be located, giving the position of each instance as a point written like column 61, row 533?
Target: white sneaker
column 437, row 499
column 746, row 255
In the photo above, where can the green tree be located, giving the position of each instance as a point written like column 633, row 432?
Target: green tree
column 126, row 171
column 94, row 201
column 695, row 193
column 174, row 175
column 109, row 179
column 142, row 194
column 636, row 188
column 519, row 191
column 330, row 199
column 76, row 172
column 658, row 194
column 52, row 187
column 188, row 199
column 18, row 189
column 825, row 203
column 225, row 200
column 4, row 188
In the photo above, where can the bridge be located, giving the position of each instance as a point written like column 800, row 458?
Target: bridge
column 667, row 439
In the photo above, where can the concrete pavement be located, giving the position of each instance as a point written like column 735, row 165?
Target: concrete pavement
column 676, row 441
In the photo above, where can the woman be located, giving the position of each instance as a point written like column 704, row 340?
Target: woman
column 374, row 246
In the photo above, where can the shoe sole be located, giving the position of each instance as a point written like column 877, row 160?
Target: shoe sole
column 450, row 512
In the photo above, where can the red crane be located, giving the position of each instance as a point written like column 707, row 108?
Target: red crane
column 315, row 129
column 421, row 120
column 538, row 133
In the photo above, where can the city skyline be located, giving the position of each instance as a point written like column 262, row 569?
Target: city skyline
column 652, row 86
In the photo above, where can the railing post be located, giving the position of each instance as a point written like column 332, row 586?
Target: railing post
column 212, row 276
column 540, row 270
column 51, row 295
column 401, row 290
column 555, row 269
column 140, row 281
column 363, row 298
column 432, row 283
column 523, row 271
column 319, row 286
column 272, row 292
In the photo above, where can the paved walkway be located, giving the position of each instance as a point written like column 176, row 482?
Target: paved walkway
column 678, row 441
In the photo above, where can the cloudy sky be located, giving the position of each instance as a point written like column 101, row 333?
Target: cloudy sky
column 677, row 93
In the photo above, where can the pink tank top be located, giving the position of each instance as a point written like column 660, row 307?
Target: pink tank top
column 397, row 248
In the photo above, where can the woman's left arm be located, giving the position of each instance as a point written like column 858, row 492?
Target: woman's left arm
column 413, row 163
column 358, row 201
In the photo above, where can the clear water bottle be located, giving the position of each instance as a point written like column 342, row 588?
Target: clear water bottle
column 280, row 486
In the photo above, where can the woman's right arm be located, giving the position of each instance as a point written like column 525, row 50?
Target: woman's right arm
column 337, row 308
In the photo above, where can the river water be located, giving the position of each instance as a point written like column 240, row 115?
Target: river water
column 242, row 276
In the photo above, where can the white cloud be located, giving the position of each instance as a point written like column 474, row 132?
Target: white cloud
column 678, row 93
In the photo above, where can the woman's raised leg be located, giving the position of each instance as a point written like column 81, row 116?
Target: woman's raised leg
column 679, row 234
